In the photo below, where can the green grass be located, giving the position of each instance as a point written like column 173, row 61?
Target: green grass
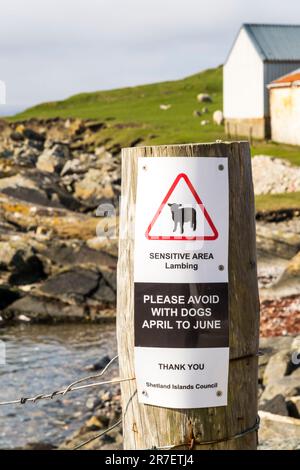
column 137, row 109
column 290, row 152
column 134, row 113
column 270, row 202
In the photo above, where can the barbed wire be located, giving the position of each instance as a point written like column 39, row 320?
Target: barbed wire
column 47, row 396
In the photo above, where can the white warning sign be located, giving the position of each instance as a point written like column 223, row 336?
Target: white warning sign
column 181, row 282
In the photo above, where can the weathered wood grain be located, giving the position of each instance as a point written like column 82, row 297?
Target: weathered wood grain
column 148, row 426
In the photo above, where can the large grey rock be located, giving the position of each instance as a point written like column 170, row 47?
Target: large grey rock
column 273, row 427
column 104, row 293
column 53, row 159
column 76, row 281
column 16, row 181
column 31, row 187
column 276, row 405
column 94, row 185
column 71, row 166
column 289, row 282
column 287, row 386
column 275, row 241
column 19, row 258
column 43, row 309
column 277, row 367
column 31, row 134
column 68, row 254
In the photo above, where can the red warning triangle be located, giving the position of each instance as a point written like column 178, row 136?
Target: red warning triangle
column 214, row 235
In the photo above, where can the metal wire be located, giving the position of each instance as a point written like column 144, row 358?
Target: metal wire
column 254, row 428
column 70, row 388
column 89, row 377
column 98, row 435
column 48, row 396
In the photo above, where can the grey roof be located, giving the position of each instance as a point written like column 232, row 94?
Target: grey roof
column 275, row 42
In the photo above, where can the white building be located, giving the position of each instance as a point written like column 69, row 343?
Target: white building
column 260, row 54
column 285, row 108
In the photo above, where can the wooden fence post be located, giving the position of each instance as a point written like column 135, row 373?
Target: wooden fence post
column 146, row 426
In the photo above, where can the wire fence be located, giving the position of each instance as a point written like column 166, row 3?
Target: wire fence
column 74, row 386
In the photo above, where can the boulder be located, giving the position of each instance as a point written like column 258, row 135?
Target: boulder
column 93, row 185
column 287, row 386
column 31, row 134
column 68, row 254
column 276, row 405
column 75, row 281
column 282, row 243
column 218, row 117
column 53, row 159
column 104, row 293
column 71, row 166
column 61, row 222
column 43, row 309
column 277, row 367
column 274, row 426
column 8, row 249
column 204, row 98
column 16, row 181
column 21, row 260
column 289, row 282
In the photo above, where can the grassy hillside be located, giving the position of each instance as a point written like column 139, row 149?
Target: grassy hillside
column 135, row 111
column 134, row 114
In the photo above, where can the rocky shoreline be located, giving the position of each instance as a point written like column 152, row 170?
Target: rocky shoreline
column 54, row 267
column 54, row 174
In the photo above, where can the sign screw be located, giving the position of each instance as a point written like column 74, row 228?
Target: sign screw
column 221, row 267
column 144, row 167
column 219, row 393
column 221, row 167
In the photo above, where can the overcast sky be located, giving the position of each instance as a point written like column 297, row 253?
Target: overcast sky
column 51, row 49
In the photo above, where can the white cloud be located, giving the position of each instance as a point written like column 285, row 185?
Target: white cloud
column 51, row 49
